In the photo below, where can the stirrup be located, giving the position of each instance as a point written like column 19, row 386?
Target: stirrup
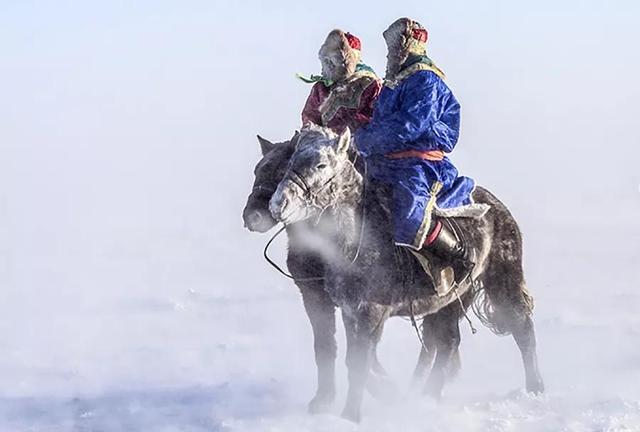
column 471, row 256
column 467, row 276
column 442, row 273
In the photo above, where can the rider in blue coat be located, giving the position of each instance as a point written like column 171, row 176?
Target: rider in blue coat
column 416, row 121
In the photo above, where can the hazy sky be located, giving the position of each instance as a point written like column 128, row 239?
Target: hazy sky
column 127, row 147
column 127, row 129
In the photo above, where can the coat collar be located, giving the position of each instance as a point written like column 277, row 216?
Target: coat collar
column 361, row 71
column 411, row 66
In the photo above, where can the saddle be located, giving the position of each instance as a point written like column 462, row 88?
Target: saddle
column 438, row 270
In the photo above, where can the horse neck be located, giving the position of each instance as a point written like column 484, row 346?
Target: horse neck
column 347, row 207
column 350, row 187
column 338, row 223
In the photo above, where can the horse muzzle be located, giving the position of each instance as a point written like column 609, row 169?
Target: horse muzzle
column 285, row 205
column 257, row 220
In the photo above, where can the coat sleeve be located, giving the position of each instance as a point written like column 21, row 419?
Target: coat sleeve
column 427, row 117
column 311, row 110
column 367, row 103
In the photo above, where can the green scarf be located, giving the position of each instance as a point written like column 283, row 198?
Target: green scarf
column 413, row 59
column 360, row 67
column 314, row 79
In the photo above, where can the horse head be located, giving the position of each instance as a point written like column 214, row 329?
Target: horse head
column 268, row 173
column 318, row 166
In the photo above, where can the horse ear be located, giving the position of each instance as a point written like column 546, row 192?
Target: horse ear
column 265, row 145
column 295, row 138
column 344, row 141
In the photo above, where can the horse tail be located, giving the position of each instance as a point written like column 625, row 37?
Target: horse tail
column 503, row 299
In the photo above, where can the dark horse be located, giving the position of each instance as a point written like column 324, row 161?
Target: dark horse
column 302, row 263
column 440, row 330
column 305, row 265
column 371, row 279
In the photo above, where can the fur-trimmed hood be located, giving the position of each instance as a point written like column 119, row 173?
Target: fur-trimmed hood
column 337, row 56
column 405, row 38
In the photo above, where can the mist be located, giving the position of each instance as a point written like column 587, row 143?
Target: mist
column 131, row 296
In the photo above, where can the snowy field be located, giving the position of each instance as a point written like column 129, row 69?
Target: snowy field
column 185, row 346
column 131, row 297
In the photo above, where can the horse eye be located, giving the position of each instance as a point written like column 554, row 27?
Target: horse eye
column 321, row 166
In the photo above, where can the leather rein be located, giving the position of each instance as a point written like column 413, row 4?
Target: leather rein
column 311, row 199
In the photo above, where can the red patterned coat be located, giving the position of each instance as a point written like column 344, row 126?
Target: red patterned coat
column 346, row 104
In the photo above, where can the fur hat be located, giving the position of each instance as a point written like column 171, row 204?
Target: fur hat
column 404, row 37
column 339, row 55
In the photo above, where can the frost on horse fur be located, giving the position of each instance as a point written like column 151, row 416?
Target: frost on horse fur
column 321, row 193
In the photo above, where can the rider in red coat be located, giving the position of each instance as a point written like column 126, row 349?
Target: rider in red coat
column 344, row 95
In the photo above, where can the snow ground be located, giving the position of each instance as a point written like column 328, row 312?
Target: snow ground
column 131, row 298
column 156, row 355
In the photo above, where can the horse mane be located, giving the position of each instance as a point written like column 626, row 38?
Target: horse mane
column 314, row 132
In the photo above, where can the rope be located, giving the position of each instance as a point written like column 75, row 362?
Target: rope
column 464, row 311
column 277, row 267
column 363, row 218
column 415, row 326
column 459, row 233
column 357, row 254
column 363, row 211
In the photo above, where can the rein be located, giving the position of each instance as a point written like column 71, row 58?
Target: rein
column 414, row 324
column 277, row 267
column 263, row 188
column 311, row 197
column 301, row 182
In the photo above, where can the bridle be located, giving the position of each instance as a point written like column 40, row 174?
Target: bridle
column 265, row 189
column 311, row 199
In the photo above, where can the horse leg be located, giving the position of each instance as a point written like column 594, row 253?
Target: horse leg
column 520, row 324
column 425, row 359
column 525, row 336
column 361, row 327
column 446, row 332
column 376, row 366
column 378, row 383
column 321, row 312
column 512, row 306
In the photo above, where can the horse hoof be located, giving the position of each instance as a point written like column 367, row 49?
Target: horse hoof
column 433, row 390
column 535, row 387
column 320, row 404
column 352, row 415
column 382, row 389
column 416, row 383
